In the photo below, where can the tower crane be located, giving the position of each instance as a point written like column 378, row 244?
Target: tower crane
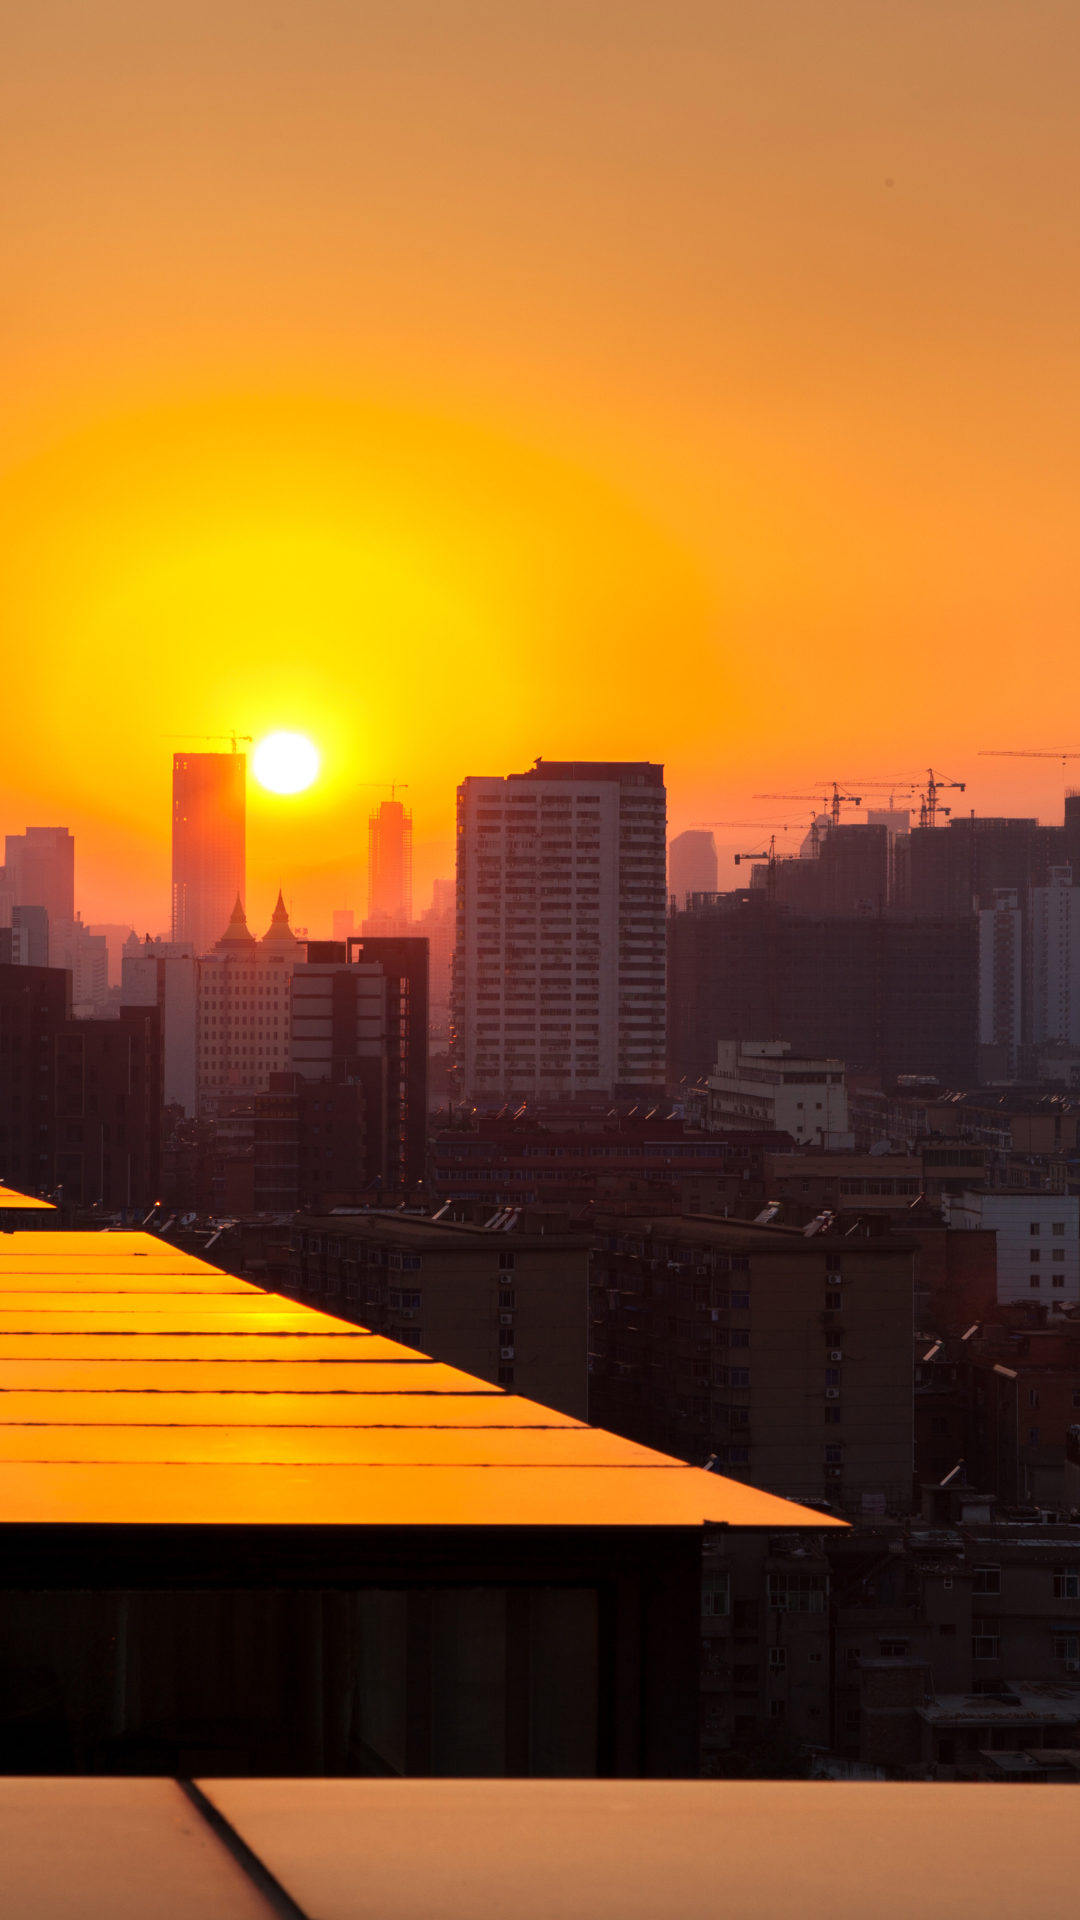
column 392, row 784
column 231, row 735
column 931, row 806
column 831, row 807
column 1022, row 753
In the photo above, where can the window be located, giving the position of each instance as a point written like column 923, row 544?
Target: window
column 1033, row 1396
column 832, row 1376
column 985, row 1644
column 833, row 1302
column 797, row 1592
column 1058, row 1228
column 1067, row 1583
column 777, row 1659
column 404, row 1302
column 1067, row 1648
column 506, row 1263
column 834, row 1455
column 405, row 1263
column 1033, row 1436
column 506, row 1376
column 777, row 1709
column 1034, row 1280
column 892, row 1649
column 832, row 1416
column 986, row 1580
column 716, row 1594
column 1034, row 1256
column 832, row 1264
column 1034, row 1229
column 507, row 1299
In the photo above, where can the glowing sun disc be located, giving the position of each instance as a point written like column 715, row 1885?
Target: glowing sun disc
column 285, row 763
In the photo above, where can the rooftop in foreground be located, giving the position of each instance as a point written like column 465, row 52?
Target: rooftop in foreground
column 141, row 1385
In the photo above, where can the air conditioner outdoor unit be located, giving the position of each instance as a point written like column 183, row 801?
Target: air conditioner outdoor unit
column 701, row 1269
column 835, row 1353
column 832, row 1393
column 1072, row 1666
column 506, row 1353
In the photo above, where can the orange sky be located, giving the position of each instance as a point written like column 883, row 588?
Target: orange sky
column 462, row 382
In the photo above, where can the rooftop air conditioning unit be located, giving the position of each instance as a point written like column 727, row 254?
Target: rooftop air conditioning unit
column 835, row 1353
column 832, row 1393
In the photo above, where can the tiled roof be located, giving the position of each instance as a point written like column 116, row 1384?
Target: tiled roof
column 140, row 1384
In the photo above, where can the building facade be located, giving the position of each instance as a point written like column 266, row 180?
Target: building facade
column 39, row 871
column 1054, row 919
column 1001, row 985
column 209, row 799
column 1038, row 1242
column 243, row 1009
column 390, row 865
column 760, row 1085
column 560, row 957
column 164, row 974
column 509, row 1307
column 785, row 1355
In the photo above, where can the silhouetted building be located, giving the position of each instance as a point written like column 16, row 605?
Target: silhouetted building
column 208, row 844
column 957, row 868
column 80, row 1100
column 360, row 1014
column 691, row 864
column 559, row 966
column 1001, row 985
column 309, row 1145
column 897, row 993
column 850, row 873
column 390, row 865
column 164, row 974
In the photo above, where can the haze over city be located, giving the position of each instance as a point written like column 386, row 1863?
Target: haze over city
column 539, row 959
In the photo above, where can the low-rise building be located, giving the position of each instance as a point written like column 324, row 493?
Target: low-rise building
column 761, row 1085
column 509, row 1306
column 783, row 1352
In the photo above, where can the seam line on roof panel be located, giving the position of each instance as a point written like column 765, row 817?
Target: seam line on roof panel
column 260, row 1876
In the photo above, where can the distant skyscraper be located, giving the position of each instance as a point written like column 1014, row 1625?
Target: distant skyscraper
column 242, row 1009
column 39, row 871
column 390, row 864
column 692, row 864
column 559, row 969
column 208, row 868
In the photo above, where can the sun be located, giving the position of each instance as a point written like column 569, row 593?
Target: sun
column 285, row 763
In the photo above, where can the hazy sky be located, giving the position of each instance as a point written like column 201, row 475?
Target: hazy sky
column 457, row 383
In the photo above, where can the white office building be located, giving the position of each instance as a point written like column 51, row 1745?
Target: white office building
column 1038, row 1242
column 759, row 1086
column 560, row 956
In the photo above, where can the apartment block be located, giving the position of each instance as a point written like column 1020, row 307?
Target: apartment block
column 39, row 871
column 165, row 974
column 1038, row 1242
column 559, row 982
column 783, row 1353
column 509, row 1307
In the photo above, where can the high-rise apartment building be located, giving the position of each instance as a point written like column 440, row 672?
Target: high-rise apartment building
column 389, row 866
column 559, row 968
column 208, row 863
column 1001, row 984
column 1054, row 918
column 360, row 1015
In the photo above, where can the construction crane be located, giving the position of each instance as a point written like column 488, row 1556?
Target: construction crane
column 930, row 805
column 233, row 736
column 770, row 856
column 1021, row 753
column 831, row 807
column 392, row 784
column 767, row 826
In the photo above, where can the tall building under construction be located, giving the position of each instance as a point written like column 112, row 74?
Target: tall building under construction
column 208, row 834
